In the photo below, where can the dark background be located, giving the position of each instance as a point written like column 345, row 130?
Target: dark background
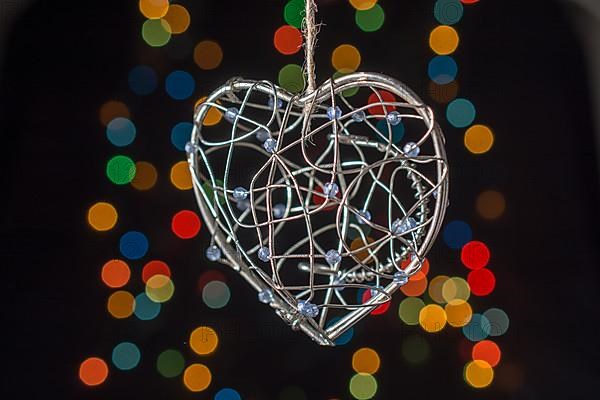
column 520, row 64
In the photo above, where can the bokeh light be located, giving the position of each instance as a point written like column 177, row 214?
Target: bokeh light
column 93, row 371
column 416, row 286
column 160, row 288
column 115, row 273
column 479, row 139
column 498, row 320
column 180, row 85
column 126, row 356
column 363, row 386
column 120, row 170
column 216, row 294
column 482, row 281
column 442, row 69
column 102, row 216
column 181, row 134
column 154, row 9
column 178, row 19
column 443, row 40
column 479, row 374
column 381, row 309
column 345, row 58
column 435, row 288
column 156, row 32
column 145, row 176
column 370, row 20
column 287, row 40
column 133, row 245
column 197, row 377
column 120, row 304
column 120, row 131
column 416, row 349
column 443, row 93
column 490, row 204
column 170, row 363
column 409, row 310
column 186, row 224
column 293, row 13
column 477, row 329
column 208, row 54
column 291, row 78
column 155, row 267
column 397, row 131
column 487, row 351
column 365, row 360
column 458, row 313
column 460, row 113
column 457, row 233
column 448, row 12
column 181, row 177
column 386, row 97
column 432, row 318
column 227, row 394
column 113, row 109
column 204, row 340
column 455, row 288
column 363, row 4
column 475, row 255
column 146, row 309
column 142, row 80
column 213, row 115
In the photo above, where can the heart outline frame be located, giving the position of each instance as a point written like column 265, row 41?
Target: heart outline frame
column 287, row 310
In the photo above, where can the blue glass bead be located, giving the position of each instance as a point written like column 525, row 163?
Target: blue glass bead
column 363, row 217
column 330, row 189
column 334, row 113
column 262, row 134
column 278, row 210
column 264, row 254
column 242, row 205
column 308, row 309
column 376, row 290
column 340, row 282
column 190, row 148
column 231, row 113
column 272, row 102
column 270, row 145
column 394, row 118
column 265, row 296
column 401, row 278
column 333, row 257
column 411, row 149
column 358, row 116
column 213, row 253
column 399, row 227
column 239, row 193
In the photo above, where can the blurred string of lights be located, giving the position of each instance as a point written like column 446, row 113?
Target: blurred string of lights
column 431, row 303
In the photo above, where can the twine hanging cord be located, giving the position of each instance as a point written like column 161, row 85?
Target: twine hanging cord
column 310, row 31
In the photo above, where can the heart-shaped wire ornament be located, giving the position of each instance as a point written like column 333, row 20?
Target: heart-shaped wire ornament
column 327, row 202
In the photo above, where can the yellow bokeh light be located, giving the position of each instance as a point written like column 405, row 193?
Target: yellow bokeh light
column 443, row 40
column 197, row 377
column 363, row 4
column 456, row 289
column 213, row 115
column 121, row 304
column 435, row 288
column 432, row 318
column 145, row 176
column 458, row 313
column 365, row 361
column 345, row 58
column 208, row 54
column 180, row 176
column 479, row 139
column 102, row 216
column 154, row 9
column 490, row 204
column 479, row 374
column 178, row 18
column 160, row 288
column 204, row 340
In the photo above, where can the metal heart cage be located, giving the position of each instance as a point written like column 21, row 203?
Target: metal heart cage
column 326, row 203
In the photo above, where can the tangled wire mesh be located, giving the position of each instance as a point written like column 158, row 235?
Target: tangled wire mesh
column 327, row 202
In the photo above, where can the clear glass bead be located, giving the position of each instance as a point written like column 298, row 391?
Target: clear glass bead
column 213, row 253
column 339, row 282
column 358, row 116
column 262, row 134
column 239, row 193
column 231, row 113
column 272, row 102
column 399, row 227
column 265, row 296
column 401, row 278
column 333, row 257
column 363, row 217
column 411, row 149
column 308, row 309
column 376, row 290
column 393, row 118
column 190, row 148
column 270, row 145
column 279, row 210
column 330, row 189
column 264, row 254
column 334, row 113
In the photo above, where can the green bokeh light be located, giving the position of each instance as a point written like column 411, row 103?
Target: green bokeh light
column 363, row 386
column 370, row 20
column 120, row 170
column 156, row 32
column 293, row 13
column 170, row 363
column 409, row 310
column 416, row 349
column 291, row 77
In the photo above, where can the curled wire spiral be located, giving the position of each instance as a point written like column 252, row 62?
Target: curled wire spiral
column 327, row 202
